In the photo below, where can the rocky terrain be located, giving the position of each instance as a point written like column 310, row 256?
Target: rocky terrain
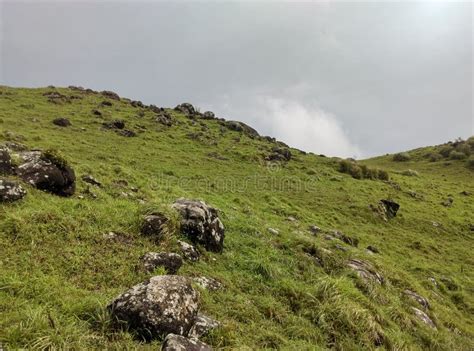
column 133, row 226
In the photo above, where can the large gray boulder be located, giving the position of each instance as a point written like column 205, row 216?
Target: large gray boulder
column 157, row 307
column 47, row 172
column 10, row 191
column 201, row 224
column 175, row 342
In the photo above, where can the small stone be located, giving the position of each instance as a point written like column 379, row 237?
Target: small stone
column 170, row 261
column 189, row 251
column 91, row 180
column 314, row 229
column 208, row 283
column 175, row 342
column 372, row 249
column 202, row 325
column 273, row 231
column 422, row 316
column 62, row 122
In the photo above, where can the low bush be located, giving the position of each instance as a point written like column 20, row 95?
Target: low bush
column 401, row 157
column 362, row 171
column 456, row 155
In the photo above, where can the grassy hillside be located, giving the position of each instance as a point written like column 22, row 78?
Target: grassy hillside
column 290, row 290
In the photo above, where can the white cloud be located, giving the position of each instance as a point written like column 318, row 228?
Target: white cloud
column 309, row 128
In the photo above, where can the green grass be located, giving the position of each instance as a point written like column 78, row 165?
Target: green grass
column 58, row 272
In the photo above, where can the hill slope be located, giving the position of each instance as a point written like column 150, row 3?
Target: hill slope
column 284, row 287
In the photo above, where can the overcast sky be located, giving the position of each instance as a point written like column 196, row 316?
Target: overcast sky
column 339, row 78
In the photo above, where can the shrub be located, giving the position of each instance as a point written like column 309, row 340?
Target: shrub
column 470, row 162
column 445, row 150
column 55, row 157
column 435, row 157
column 464, row 148
column 456, row 155
column 383, row 174
column 401, row 157
column 361, row 171
column 470, row 142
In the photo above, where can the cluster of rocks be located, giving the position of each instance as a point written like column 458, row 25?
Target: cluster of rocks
column 279, row 154
column 189, row 111
column 167, row 306
column 119, row 126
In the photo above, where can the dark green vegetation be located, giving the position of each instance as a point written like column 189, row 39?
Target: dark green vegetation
column 290, row 291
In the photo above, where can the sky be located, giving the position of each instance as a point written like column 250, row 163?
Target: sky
column 350, row 79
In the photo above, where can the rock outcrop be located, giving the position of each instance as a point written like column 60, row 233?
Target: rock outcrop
column 157, row 307
column 47, row 172
column 365, row 271
column 201, row 224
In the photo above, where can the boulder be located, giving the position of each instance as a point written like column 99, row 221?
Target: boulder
column 208, row 283
column 391, row 208
column 417, row 298
column 365, row 271
column 175, row 342
column 241, row 127
column 110, row 95
column 159, row 306
column 201, row 224
column 136, row 103
column 10, row 191
column 202, row 326
column 422, row 316
column 115, row 124
column 171, row 262
column 164, row 117
column 189, row 251
column 273, row 231
column 186, row 108
column 154, row 225
column 62, row 122
column 96, row 113
column 279, row 154
column 6, row 166
column 48, row 173
column 208, row 115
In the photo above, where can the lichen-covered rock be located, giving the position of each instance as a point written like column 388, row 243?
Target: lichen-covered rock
column 353, row 241
column 10, row 191
column 164, row 117
column 208, row 115
column 201, row 224
column 48, row 173
column 172, row 262
column 162, row 305
column 154, row 225
column 189, row 251
column 91, row 180
column 365, row 271
column 422, row 316
column 418, row 298
column 207, row 283
column 202, row 325
column 175, row 342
